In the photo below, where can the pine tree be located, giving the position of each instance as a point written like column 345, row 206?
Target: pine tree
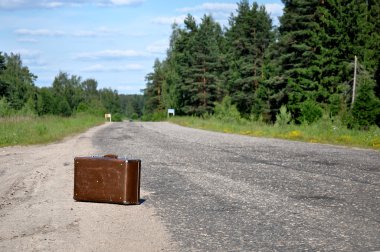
column 196, row 60
column 248, row 38
column 153, row 91
column 299, row 46
column 203, row 80
column 348, row 29
column 366, row 108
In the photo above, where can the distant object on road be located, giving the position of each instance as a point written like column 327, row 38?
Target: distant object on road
column 106, row 116
column 171, row 112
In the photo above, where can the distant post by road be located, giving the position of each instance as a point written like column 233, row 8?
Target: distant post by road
column 108, row 116
column 171, row 112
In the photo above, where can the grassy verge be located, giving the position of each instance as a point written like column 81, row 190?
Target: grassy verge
column 321, row 132
column 25, row 130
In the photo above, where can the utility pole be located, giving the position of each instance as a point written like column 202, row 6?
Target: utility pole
column 354, row 85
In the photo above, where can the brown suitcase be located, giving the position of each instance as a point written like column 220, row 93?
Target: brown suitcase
column 107, row 179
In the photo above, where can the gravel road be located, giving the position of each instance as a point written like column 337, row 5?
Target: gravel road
column 223, row 192
column 203, row 191
column 38, row 213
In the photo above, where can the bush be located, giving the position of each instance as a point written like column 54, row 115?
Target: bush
column 117, row 117
column 155, row 117
column 310, row 112
column 63, row 108
column 5, row 109
column 135, row 116
column 284, row 117
column 226, row 110
column 93, row 107
column 366, row 109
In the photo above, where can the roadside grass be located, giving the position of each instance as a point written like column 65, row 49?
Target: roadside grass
column 26, row 130
column 324, row 131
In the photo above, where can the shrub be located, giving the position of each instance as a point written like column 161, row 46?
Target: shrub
column 5, row 109
column 310, row 112
column 135, row 116
column 366, row 107
column 226, row 110
column 93, row 107
column 117, row 117
column 284, row 117
column 63, row 108
column 156, row 116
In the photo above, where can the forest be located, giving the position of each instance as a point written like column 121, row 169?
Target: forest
column 68, row 94
column 298, row 72
column 304, row 69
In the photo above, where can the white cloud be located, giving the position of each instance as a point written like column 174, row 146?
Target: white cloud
column 30, row 58
column 121, row 68
column 222, row 11
column 130, row 88
column 25, row 4
column 158, row 47
column 39, row 32
column 98, row 32
column 27, row 40
column 27, row 53
column 274, row 9
column 110, row 54
column 210, row 7
column 169, row 20
column 126, row 2
column 52, row 4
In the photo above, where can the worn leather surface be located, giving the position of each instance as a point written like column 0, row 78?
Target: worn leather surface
column 107, row 179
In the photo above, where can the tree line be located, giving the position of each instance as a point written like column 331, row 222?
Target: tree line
column 67, row 95
column 305, row 66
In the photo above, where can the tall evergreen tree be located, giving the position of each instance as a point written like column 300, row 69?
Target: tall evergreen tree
column 348, row 29
column 153, row 91
column 299, row 46
column 248, row 38
column 202, row 82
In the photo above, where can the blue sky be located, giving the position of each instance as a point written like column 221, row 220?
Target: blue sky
column 112, row 41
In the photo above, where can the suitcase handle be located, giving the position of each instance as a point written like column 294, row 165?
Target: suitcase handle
column 110, row 156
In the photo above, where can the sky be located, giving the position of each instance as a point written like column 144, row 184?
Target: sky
column 112, row 41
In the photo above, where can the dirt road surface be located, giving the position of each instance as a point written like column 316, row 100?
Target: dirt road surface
column 203, row 191
column 38, row 213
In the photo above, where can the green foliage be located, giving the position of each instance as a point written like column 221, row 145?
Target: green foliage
column 247, row 39
column 226, row 110
column 134, row 116
column 5, row 109
column 16, row 81
column 93, row 107
column 283, row 117
column 310, row 112
column 63, row 108
column 305, row 64
column 155, row 117
column 117, row 117
column 132, row 105
column 153, row 92
column 366, row 109
column 67, row 95
column 323, row 131
column 23, row 130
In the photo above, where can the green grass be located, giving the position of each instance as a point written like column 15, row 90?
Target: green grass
column 25, row 130
column 323, row 131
